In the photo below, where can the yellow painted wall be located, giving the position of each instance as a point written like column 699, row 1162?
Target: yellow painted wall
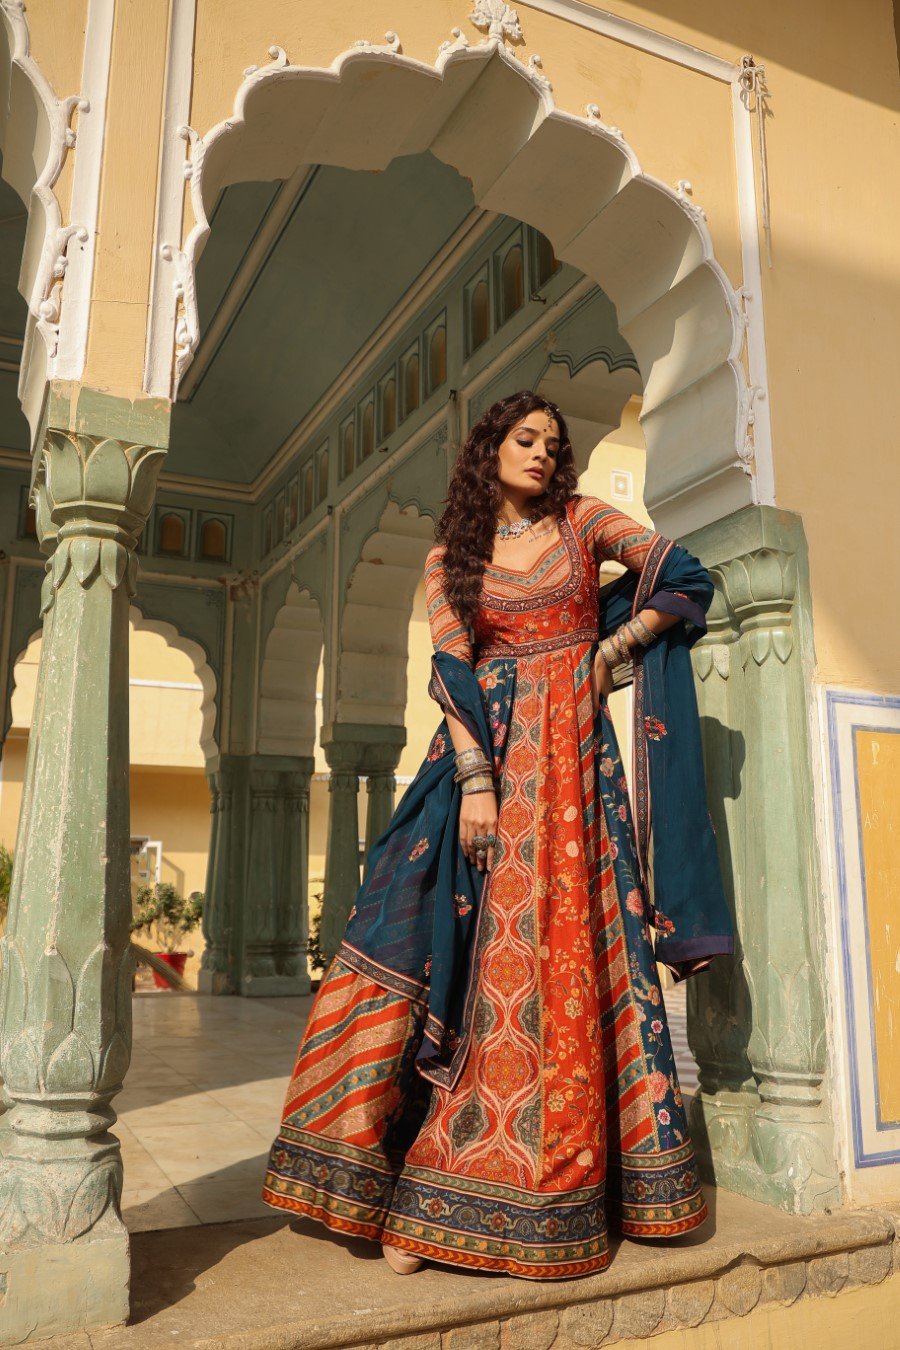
column 174, row 807
column 121, row 290
column 57, row 44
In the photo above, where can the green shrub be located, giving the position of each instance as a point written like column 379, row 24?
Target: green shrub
column 6, row 862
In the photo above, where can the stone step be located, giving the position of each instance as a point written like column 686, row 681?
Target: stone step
column 271, row 1284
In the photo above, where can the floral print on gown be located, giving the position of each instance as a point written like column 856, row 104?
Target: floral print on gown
column 566, row 1113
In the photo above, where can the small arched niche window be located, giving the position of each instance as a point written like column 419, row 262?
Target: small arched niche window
column 512, row 283
column 546, row 262
column 322, row 474
column 306, row 479
column 367, row 429
column 411, row 383
column 437, row 358
column 213, row 541
column 388, row 407
column 170, row 536
column 479, row 315
column 348, row 447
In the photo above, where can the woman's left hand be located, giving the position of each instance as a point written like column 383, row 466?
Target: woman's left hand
column 601, row 682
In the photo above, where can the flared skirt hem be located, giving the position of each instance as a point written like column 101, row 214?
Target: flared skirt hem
column 444, row 1219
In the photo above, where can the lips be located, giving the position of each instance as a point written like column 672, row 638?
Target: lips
column 535, row 473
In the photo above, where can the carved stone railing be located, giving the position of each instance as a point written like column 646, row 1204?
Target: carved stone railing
column 65, row 1006
column 756, row 1023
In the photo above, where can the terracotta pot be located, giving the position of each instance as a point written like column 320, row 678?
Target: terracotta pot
column 174, row 959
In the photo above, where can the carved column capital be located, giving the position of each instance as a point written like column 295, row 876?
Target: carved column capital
column 92, row 496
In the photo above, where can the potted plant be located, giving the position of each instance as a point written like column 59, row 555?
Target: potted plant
column 166, row 916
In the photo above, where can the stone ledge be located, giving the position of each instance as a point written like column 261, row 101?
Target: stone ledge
column 274, row 1285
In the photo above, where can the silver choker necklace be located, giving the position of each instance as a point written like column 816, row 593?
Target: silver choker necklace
column 516, row 528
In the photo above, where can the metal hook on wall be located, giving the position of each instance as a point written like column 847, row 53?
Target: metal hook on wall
column 754, row 96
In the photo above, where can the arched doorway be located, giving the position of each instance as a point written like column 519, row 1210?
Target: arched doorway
column 646, row 244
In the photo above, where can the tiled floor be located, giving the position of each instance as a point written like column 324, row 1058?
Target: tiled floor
column 203, row 1098
column 201, row 1105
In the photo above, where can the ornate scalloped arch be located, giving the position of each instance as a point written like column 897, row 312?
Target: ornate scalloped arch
column 645, row 243
column 287, row 683
column 203, row 670
column 374, row 646
column 170, row 634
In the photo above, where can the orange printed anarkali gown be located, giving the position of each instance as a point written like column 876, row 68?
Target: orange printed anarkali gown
column 559, row 1108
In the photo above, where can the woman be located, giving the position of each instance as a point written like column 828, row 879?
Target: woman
column 486, row 1077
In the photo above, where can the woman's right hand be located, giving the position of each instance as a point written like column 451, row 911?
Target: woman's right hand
column 601, row 682
column 478, row 815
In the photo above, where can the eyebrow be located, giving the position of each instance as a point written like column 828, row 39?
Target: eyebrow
column 535, row 432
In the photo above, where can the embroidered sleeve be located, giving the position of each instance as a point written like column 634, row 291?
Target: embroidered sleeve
column 448, row 633
column 611, row 535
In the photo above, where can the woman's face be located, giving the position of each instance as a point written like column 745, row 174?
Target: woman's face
column 528, row 455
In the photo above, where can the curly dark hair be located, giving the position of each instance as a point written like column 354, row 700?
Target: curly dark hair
column 474, row 496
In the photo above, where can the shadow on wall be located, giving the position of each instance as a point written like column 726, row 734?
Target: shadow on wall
column 720, row 1046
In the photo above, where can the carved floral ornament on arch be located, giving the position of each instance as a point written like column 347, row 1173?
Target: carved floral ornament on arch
column 59, row 137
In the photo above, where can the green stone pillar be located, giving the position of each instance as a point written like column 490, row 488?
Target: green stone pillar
column 381, row 760
column 217, row 973
column 352, row 750
column 345, row 755
column 757, row 1023
column 65, row 1004
column 293, row 911
column 275, row 914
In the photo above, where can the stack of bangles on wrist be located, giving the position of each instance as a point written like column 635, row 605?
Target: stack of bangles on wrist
column 473, row 771
column 616, row 649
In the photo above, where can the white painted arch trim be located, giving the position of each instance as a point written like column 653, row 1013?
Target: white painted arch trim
column 36, row 135
column 652, row 240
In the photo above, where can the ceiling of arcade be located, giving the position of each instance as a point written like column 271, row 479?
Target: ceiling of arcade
column 295, row 278
column 292, row 282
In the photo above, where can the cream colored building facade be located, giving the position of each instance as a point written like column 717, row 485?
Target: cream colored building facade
column 253, row 286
